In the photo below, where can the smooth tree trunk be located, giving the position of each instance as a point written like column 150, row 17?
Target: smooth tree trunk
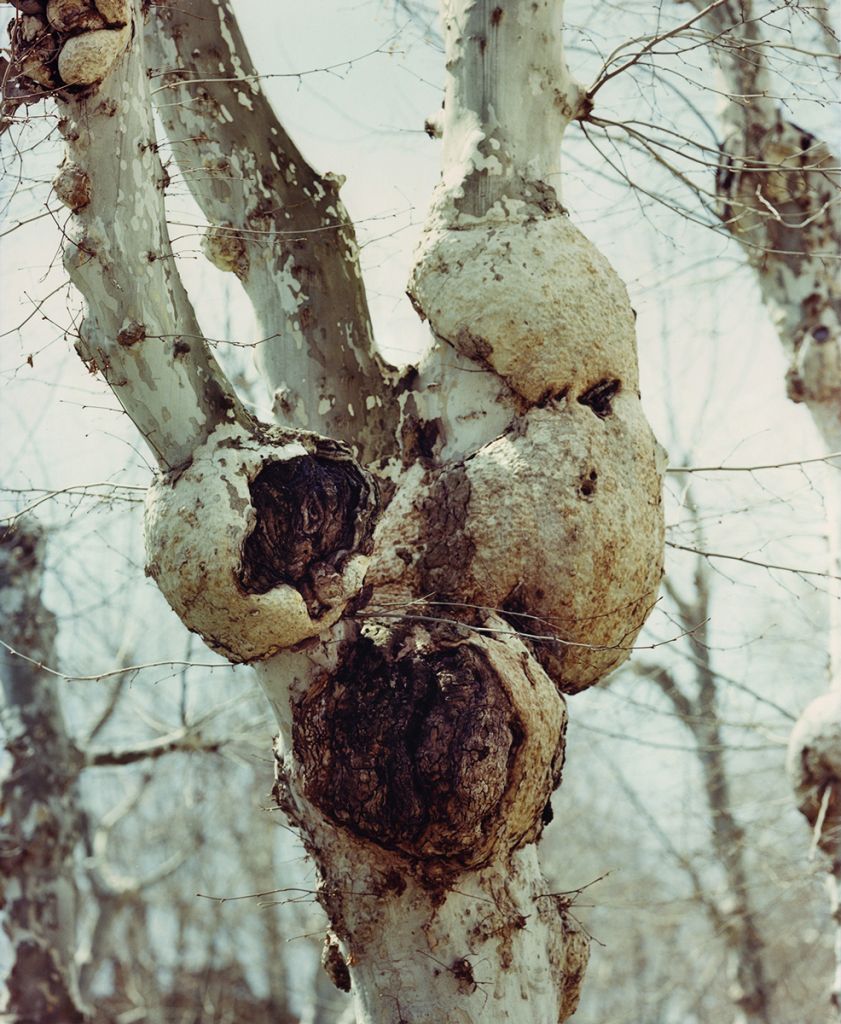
column 416, row 619
column 777, row 185
column 39, row 812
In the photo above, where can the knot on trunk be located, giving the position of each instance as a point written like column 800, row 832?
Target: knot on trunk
column 262, row 541
column 557, row 524
column 312, row 513
column 476, row 285
column 67, row 43
column 432, row 744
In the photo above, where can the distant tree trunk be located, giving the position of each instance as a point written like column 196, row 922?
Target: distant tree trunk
column 731, row 910
column 39, row 815
column 416, row 593
column 778, row 186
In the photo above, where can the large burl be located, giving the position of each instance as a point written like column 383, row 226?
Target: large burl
column 558, row 522
column 263, row 540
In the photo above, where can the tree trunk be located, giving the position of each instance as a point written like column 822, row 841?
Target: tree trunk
column 414, row 623
column 731, row 913
column 39, row 817
column 777, row 186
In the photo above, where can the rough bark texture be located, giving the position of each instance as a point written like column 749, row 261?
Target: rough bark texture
column 457, row 756
column 434, row 919
column 558, row 523
column 421, row 727
column 39, row 816
column 560, row 517
column 263, row 541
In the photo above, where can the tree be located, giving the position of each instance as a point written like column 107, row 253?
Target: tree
column 41, row 815
column 777, row 187
column 416, row 592
column 45, row 823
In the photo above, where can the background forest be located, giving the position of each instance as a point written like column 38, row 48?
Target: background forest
column 675, row 839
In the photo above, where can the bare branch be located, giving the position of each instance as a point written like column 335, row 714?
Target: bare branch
column 663, row 679
column 184, row 740
column 752, row 561
column 651, row 41
column 828, row 458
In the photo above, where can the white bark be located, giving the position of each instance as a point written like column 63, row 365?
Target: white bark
column 777, row 187
column 275, row 223
column 419, row 745
column 140, row 331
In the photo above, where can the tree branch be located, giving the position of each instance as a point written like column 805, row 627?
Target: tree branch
column 118, row 254
column 667, row 684
column 276, row 223
column 180, row 741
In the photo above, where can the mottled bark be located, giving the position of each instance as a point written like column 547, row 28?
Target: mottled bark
column 140, row 331
column 419, row 742
column 275, row 223
column 777, row 186
column 39, row 814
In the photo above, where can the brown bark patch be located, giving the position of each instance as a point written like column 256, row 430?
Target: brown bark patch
column 448, row 552
column 334, row 964
column 409, row 748
column 38, row 991
column 313, row 513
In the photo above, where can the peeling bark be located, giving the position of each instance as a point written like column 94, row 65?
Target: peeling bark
column 275, row 223
column 777, row 186
column 558, row 520
column 417, row 756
